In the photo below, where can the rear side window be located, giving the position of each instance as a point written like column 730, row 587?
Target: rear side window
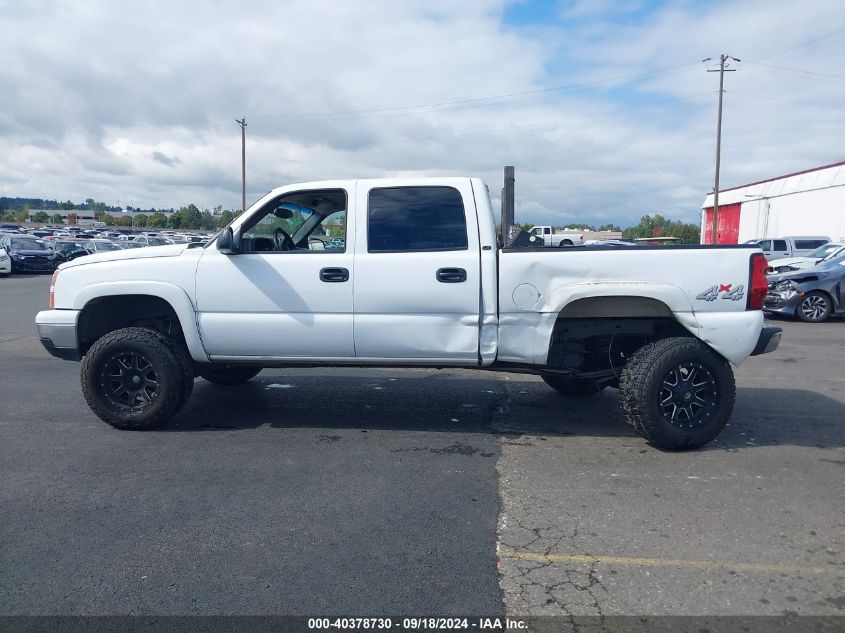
column 808, row 244
column 780, row 245
column 416, row 219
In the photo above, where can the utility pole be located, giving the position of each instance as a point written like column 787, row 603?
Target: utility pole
column 721, row 70
column 242, row 123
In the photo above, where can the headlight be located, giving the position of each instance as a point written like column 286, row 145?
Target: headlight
column 786, row 284
column 16, row 256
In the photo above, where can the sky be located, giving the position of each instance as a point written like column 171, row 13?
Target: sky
column 604, row 106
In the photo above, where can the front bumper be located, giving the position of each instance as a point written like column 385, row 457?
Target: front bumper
column 57, row 332
column 5, row 267
column 768, row 341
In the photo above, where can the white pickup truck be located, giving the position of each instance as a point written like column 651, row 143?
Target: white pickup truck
column 561, row 238
column 408, row 273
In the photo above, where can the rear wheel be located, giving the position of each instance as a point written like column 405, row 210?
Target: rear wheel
column 814, row 308
column 565, row 243
column 677, row 393
column 572, row 386
column 228, row 374
column 131, row 379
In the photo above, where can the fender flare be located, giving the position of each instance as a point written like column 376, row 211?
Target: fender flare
column 174, row 295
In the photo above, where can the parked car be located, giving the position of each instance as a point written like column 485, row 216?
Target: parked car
column 5, row 262
column 152, row 240
column 127, row 244
column 13, row 228
column 790, row 246
column 791, row 264
column 28, row 254
column 67, row 250
column 98, row 246
column 810, row 295
column 424, row 286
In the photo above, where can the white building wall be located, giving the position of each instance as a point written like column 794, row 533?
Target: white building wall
column 811, row 203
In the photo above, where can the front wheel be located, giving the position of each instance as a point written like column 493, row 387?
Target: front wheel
column 228, row 374
column 132, row 379
column 677, row 393
column 572, row 386
column 815, row 307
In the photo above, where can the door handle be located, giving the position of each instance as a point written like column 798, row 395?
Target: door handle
column 451, row 275
column 334, row 275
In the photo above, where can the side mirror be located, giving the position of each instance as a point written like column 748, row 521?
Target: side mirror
column 228, row 243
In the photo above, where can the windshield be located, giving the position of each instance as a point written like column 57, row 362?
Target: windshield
column 157, row 241
column 824, row 250
column 28, row 244
column 834, row 263
column 107, row 246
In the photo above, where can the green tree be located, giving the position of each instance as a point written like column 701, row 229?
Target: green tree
column 56, row 218
column 157, row 220
column 207, row 221
column 225, row 218
column 656, row 225
column 8, row 216
column 609, row 227
column 141, row 220
column 67, row 206
column 39, row 217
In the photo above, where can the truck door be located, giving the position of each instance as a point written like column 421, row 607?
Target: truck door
column 288, row 293
column 417, row 273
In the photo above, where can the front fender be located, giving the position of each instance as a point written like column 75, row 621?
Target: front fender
column 173, row 294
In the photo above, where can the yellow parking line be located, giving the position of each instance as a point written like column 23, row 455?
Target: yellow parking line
column 506, row 552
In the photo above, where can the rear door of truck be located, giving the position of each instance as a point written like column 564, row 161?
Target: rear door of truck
column 417, row 275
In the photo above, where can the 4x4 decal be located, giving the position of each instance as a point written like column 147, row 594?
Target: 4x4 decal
column 727, row 291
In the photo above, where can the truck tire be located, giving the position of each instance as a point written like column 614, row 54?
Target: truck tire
column 565, row 243
column 228, row 374
column 572, row 386
column 132, row 379
column 677, row 393
column 815, row 307
column 186, row 365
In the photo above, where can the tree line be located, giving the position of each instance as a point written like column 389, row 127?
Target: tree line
column 651, row 225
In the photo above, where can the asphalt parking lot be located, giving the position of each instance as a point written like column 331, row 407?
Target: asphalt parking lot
column 348, row 491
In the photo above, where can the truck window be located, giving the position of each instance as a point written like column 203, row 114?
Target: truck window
column 780, row 245
column 416, row 219
column 806, row 245
column 299, row 222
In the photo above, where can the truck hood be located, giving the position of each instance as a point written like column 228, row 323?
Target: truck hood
column 171, row 250
column 791, row 261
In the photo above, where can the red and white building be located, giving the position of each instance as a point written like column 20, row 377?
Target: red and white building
column 810, row 202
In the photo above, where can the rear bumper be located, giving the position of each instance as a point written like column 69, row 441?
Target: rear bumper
column 768, row 341
column 57, row 332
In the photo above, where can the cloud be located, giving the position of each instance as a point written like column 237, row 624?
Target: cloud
column 164, row 159
column 111, row 101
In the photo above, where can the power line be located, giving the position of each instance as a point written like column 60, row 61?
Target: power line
column 669, row 70
column 742, row 93
column 811, row 74
column 805, row 44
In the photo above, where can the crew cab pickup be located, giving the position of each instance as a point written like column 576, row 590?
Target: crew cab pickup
column 408, row 273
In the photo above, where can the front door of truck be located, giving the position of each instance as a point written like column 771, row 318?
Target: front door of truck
column 417, row 273
column 288, row 293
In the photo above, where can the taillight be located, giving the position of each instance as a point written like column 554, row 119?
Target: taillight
column 759, row 282
column 53, row 289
